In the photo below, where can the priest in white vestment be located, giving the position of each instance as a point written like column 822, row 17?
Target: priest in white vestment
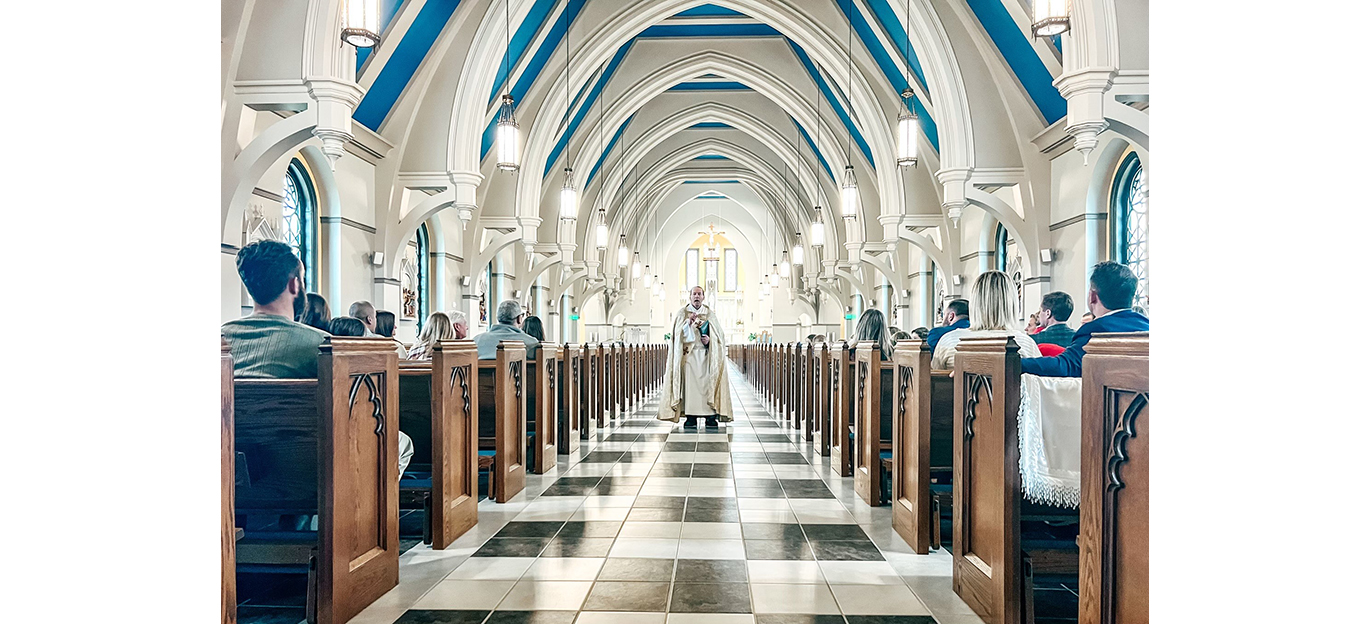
column 695, row 383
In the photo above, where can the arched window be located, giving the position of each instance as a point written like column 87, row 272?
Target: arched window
column 424, row 273
column 1129, row 223
column 298, row 218
column 1001, row 247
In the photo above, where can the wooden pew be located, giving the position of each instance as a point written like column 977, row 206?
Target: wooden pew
column 921, row 445
column 502, row 425
column 808, row 413
column 798, row 384
column 993, row 565
column 1115, row 414
column 228, row 532
column 569, row 429
column 328, row 447
column 591, row 393
column 872, row 422
column 840, row 407
column 821, row 423
column 437, row 408
column 541, row 392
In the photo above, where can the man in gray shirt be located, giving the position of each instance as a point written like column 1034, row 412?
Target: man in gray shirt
column 507, row 318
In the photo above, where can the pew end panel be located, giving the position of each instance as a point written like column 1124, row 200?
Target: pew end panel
column 455, row 446
column 1115, row 416
column 543, row 397
column 228, row 533
column 569, row 404
column 841, row 398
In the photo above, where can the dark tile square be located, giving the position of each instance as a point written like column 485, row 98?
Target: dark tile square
column 571, row 546
column 532, row 617
column 759, row 492
column 512, row 547
column 590, row 529
column 568, row 489
column 712, row 447
column 693, row 514
column 846, row 551
column 774, row 550
column 425, row 616
column 829, row 532
column 655, row 514
column 888, row 619
column 711, row 571
column 772, row 483
column 602, row 457
column 765, row 424
column 634, row 569
column 749, row 458
column 798, row 618
column 800, row 483
column 674, row 447
column 769, row 531
column 612, row 489
column 773, row 437
column 809, row 493
column 786, row 458
column 586, row 481
column 639, row 456
column 621, row 437
column 622, row 481
column 671, row 470
column 660, row 502
column 627, row 596
column 711, row 598
column 530, row 529
column 712, row 471
column 711, row 502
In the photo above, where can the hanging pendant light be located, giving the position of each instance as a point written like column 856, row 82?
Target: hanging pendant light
column 623, row 251
column 797, row 253
column 602, row 231
column 785, row 265
column 647, row 276
column 361, row 23
column 569, row 206
column 775, row 277
column 849, row 193
column 637, row 266
column 1051, row 17
column 908, row 123
column 506, row 128
column 816, row 228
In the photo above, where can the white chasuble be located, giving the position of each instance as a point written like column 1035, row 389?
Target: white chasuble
column 696, row 382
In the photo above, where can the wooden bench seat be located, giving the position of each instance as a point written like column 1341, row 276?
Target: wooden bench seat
column 502, row 424
column 872, row 422
column 327, row 447
column 921, row 462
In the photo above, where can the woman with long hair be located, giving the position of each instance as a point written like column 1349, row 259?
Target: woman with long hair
column 438, row 327
column 347, row 326
column 533, row 326
column 316, row 312
column 993, row 313
column 871, row 326
column 385, row 324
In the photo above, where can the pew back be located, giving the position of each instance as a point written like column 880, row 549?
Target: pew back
column 840, row 400
column 569, row 404
column 921, row 440
column 228, row 533
column 501, row 388
column 438, row 410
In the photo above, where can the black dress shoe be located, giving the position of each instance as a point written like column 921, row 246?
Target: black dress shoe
column 690, row 422
column 712, row 422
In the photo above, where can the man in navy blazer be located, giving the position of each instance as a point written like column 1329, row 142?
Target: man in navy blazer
column 957, row 317
column 1112, row 288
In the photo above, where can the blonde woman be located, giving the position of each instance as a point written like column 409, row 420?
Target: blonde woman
column 438, row 327
column 993, row 313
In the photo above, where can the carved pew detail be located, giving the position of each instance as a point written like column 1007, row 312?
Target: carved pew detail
column 502, row 418
column 922, row 443
column 1115, row 414
column 569, row 403
column 840, row 408
column 541, row 390
column 437, row 410
column 872, row 422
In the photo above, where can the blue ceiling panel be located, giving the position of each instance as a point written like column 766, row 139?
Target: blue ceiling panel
column 663, row 31
column 404, row 61
column 814, row 148
column 710, row 86
column 712, row 157
column 388, row 10
column 608, row 149
column 709, row 10
column 586, row 105
column 893, row 72
column 1023, row 60
column 519, row 42
column 833, row 101
column 710, row 124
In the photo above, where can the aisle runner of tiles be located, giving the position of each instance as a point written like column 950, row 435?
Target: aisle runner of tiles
column 650, row 524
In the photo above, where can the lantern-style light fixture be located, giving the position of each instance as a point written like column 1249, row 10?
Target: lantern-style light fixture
column 506, row 128
column 1051, row 17
column 647, row 276
column 785, row 265
column 908, row 129
column 849, row 193
column 797, row 253
column 775, row 277
column 602, row 231
column 637, row 266
column 569, row 206
column 361, row 23
column 816, row 228
column 623, row 251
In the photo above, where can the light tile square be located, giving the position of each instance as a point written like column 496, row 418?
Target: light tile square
column 530, row 595
column 784, row 572
column 607, row 514
column 608, row 502
column 651, row 529
column 766, row 515
column 564, row 569
column 644, row 547
column 824, row 517
column 712, row 458
column 878, row 600
column 664, row 490
column 711, row 530
column 860, row 573
column 767, row 504
column 619, row 617
column 710, row 618
column 809, row 599
column 544, row 515
column 491, row 568
column 816, row 504
column 711, row 549
column 464, row 595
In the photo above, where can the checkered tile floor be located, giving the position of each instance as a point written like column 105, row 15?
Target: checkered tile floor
column 649, row 524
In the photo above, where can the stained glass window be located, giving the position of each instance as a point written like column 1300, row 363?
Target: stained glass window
column 730, row 269
column 1131, row 223
column 297, row 217
column 423, row 264
column 692, row 267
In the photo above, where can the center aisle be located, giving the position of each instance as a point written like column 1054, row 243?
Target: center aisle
column 648, row 524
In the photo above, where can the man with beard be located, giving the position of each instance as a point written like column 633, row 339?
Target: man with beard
column 694, row 384
column 268, row 342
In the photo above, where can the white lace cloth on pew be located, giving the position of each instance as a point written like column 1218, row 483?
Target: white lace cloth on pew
column 1050, row 440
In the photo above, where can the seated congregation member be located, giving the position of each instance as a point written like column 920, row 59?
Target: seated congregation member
column 508, row 317
column 533, row 326
column 1034, row 326
column 1112, row 288
column 992, row 314
column 268, row 343
column 366, row 313
column 901, row 335
column 385, row 328
column 347, row 326
column 955, row 318
column 871, row 326
column 1056, row 310
column 316, row 313
column 437, row 327
column 922, row 333
column 459, row 325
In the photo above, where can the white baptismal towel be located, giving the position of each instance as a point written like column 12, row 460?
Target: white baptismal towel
column 1050, row 440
